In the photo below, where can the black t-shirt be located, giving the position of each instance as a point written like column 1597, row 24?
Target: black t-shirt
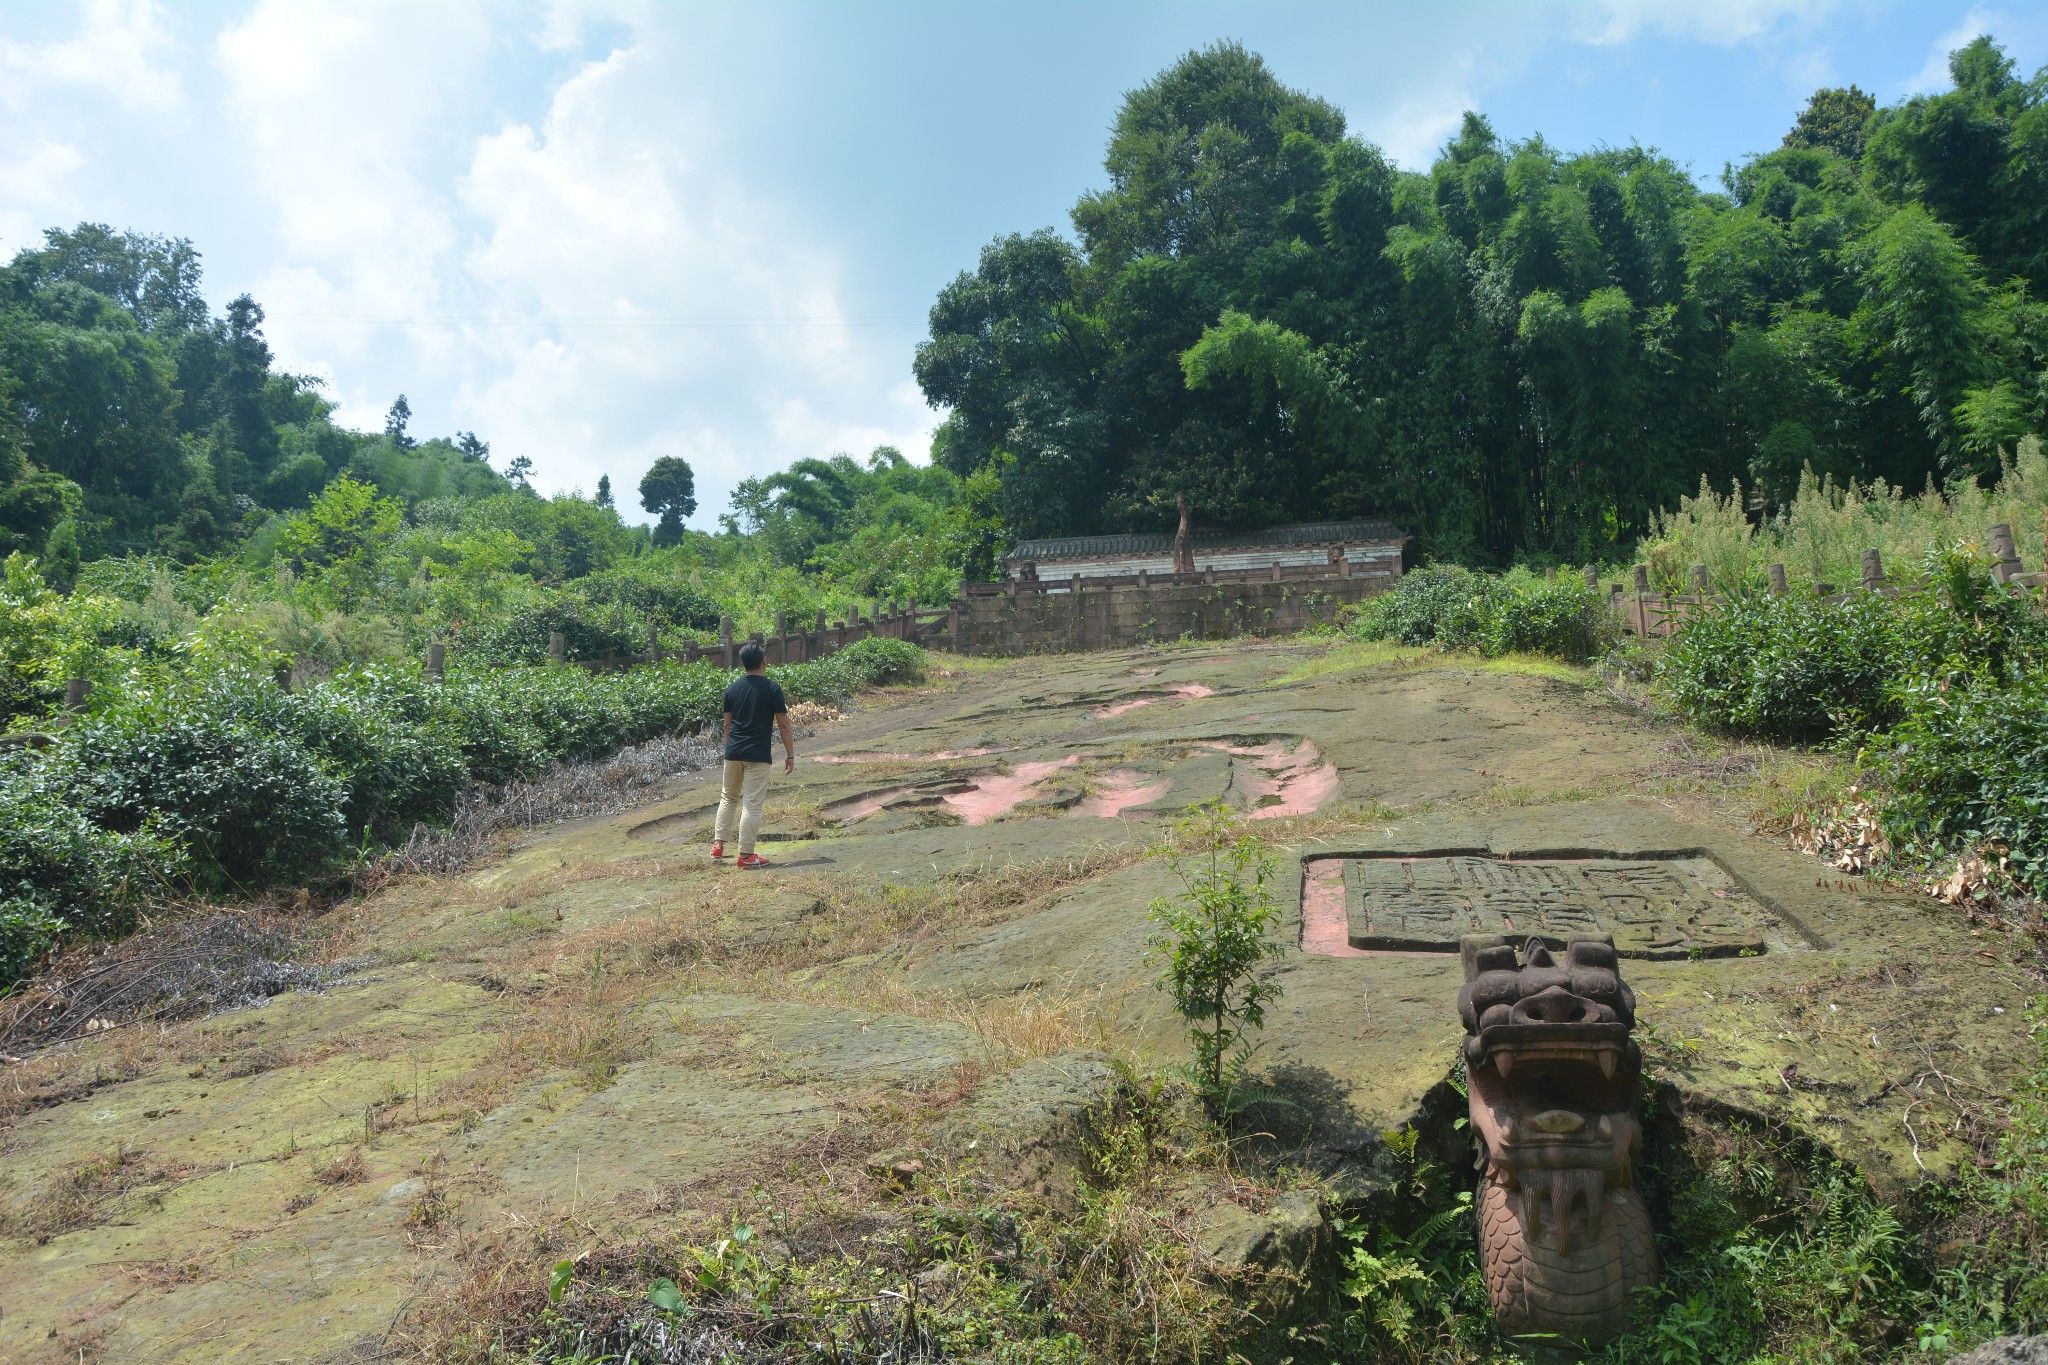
column 754, row 700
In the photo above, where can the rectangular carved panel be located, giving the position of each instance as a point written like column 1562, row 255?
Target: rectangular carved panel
column 1655, row 908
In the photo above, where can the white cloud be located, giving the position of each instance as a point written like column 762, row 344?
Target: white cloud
column 592, row 288
column 345, row 111
column 39, row 191
column 1933, row 77
column 676, row 293
column 119, row 51
column 1724, row 23
column 1414, row 131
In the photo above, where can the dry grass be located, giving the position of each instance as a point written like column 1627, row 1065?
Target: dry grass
column 1122, row 1272
column 87, row 1193
column 346, row 1169
column 568, row 791
column 809, row 715
column 1011, row 1027
column 204, row 963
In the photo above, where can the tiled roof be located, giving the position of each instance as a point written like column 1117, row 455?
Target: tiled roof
column 1303, row 533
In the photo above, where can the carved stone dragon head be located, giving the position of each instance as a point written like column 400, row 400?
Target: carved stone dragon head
column 1555, row 1086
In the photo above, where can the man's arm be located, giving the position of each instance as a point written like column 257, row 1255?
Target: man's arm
column 726, row 738
column 788, row 741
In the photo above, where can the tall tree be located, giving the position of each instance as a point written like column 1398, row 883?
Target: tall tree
column 243, row 384
column 669, row 489
column 395, row 423
column 604, row 491
column 1834, row 120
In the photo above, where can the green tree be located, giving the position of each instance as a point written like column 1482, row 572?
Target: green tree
column 243, row 386
column 342, row 540
column 669, row 489
column 1834, row 120
column 395, row 423
column 604, row 491
column 1213, row 946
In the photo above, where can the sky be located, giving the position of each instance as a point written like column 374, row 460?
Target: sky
column 596, row 232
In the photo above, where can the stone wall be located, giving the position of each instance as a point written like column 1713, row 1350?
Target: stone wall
column 1120, row 617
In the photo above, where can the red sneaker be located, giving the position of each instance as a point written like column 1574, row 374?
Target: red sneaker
column 718, row 848
column 751, row 860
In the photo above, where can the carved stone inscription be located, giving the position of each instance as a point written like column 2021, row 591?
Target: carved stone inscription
column 1655, row 909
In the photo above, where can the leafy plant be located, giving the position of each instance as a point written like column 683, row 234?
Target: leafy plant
column 1213, row 945
column 226, row 780
column 1518, row 612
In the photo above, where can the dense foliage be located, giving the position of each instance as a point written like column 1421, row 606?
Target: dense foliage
column 1454, row 608
column 151, row 455
column 1942, row 683
column 1820, row 534
column 1521, row 351
column 224, row 782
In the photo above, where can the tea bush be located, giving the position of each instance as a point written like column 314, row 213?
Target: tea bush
column 1791, row 669
column 1803, row 669
column 1968, row 769
column 229, row 783
column 59, row 871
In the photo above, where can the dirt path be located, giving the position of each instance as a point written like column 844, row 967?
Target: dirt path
column 603, row 1027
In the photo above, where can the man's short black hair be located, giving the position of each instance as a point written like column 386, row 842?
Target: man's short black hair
column 752, row 656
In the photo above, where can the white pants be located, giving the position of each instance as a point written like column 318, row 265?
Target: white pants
column 745, row 785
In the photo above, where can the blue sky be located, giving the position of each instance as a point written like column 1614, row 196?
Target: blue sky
column 599, row 231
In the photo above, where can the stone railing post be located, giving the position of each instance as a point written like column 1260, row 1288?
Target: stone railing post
column 437, row 662
column 283, row 674
column 725, row 656
column 1593, row 577
column 558, row 647
column 1873, row 571
column 75, row 692
column 1699, row 580
column 2004, row 551
column 1777, row 576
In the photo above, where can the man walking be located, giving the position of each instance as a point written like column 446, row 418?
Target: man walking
column 753, row 706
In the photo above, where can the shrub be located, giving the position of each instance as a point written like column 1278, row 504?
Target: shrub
column 60, row 871
column 242, row 785
column 251, row 808
column 589, row 629
column 656, row 594
column 1454, row 608
column 1213, row 947
column 1821, row 533
column 879, row 659
column 1792, row 669
column 1564, row 619
column 1803, row 669
column 1442, row 604
column 1968, row 769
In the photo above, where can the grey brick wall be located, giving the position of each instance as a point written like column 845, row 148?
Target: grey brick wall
column 1122, row 617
